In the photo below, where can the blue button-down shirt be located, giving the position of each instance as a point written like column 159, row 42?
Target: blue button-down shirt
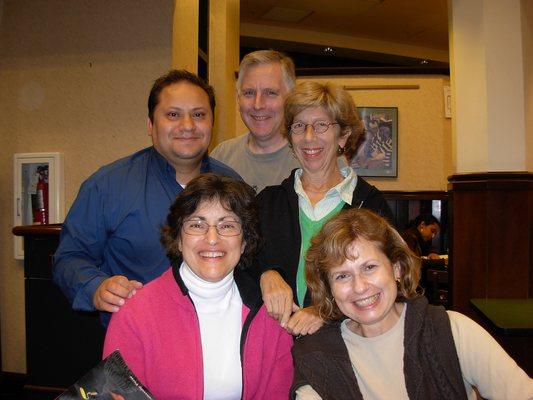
column 113, row 227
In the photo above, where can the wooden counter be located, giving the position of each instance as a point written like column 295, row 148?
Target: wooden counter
column 61, row 344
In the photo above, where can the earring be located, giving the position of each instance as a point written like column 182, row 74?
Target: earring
column 340, row 151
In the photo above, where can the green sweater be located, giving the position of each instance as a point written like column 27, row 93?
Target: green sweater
column 309, row 228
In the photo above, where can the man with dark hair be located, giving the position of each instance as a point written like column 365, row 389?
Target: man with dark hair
column 110, row 239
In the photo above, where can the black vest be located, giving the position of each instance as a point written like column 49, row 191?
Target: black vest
column 431, row 364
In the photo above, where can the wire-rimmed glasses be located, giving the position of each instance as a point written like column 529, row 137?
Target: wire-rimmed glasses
column 199, row 227
column 318, row 127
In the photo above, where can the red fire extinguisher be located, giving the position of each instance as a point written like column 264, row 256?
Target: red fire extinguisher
column 40, row 211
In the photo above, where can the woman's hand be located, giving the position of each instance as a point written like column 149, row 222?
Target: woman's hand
column 304, row 321
column 277, row 296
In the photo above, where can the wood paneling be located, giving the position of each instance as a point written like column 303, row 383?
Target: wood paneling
column 491, row 220
column 61, row 344
column 491, row 237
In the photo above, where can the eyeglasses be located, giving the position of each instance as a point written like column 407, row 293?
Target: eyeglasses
column 318, row 127
column 223, row 228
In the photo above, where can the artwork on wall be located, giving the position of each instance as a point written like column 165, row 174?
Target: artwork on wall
column 38, row 191
column 377, row 155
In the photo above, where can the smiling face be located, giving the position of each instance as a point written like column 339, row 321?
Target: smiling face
column 181, row 130
column 364, row 289
column 261, row 100
column 211, row 256
column 317, row 151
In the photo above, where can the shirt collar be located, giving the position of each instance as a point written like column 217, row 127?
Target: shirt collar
column 169, row 170
column 344, row 189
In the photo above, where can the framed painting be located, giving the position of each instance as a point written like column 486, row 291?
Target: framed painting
column 377, row 154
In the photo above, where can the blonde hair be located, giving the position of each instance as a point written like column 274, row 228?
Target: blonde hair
column 331, row 247
column 261, row 57
column 337, row 102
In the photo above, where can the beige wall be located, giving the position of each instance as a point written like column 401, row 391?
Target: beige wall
column 424, row 134
column 74, row 78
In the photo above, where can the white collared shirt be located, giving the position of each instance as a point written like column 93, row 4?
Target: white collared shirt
column 341, row 192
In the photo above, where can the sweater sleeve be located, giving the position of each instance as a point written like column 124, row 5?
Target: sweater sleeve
column 266, row 253
column 280, row 382
column 484, row 363
column 123, row 335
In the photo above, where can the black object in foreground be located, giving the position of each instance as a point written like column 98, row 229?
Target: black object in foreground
column 111, row 379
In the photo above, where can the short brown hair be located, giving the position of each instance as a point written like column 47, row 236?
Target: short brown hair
column 234, row 195
column 337, row 102
column 331, row 246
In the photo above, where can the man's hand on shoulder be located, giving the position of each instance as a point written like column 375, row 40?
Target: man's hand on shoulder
column 112, row 292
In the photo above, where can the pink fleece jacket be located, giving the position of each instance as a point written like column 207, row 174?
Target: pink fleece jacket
column 158, row 334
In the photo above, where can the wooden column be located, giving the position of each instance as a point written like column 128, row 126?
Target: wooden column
column 491, row 222
column 185, row 35
column 491, row 235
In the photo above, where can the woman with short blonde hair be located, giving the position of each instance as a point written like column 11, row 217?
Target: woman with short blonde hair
column 321, row 123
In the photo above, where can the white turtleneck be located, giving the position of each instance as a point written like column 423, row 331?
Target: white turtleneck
column 219, row 309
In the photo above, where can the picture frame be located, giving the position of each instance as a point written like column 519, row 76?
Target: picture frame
column 38, row 192
column 377, row 155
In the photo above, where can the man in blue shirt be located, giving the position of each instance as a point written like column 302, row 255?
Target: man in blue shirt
column 109, row 241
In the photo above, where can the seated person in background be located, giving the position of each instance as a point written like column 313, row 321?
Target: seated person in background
column 384, row 341
column 201, row 330
column 321, row 122
column 420, row 233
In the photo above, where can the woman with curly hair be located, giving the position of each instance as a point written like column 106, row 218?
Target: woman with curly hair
column 200, row 331
column 382, row 339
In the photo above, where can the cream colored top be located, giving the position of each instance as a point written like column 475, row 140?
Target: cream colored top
column 378, row 364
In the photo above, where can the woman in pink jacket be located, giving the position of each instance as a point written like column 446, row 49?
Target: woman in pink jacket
column 200, row 330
